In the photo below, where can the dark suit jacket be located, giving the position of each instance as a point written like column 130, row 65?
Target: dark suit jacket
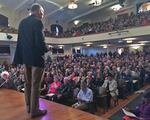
column 30, row 44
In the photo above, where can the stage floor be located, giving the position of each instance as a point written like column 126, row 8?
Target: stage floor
column 12, row 107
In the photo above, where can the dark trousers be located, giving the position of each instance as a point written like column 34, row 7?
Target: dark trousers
column 33, row 77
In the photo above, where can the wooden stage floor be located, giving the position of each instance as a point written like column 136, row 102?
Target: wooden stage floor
column 12, row 107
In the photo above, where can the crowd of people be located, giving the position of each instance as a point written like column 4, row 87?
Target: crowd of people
column 67, row 79
column 119, row 23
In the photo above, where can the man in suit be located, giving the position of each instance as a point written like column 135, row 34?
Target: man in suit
column 30, row 52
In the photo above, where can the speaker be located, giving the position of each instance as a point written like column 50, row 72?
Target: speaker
column 9, row 37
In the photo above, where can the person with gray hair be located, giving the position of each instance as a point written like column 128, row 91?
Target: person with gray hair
column 30, row 51
column 84, row 97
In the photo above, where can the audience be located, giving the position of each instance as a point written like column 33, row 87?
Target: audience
column 119, row 23
column 63, row 76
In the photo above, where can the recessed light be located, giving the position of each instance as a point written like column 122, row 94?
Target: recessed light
column 142, row 42
column 88, row 43
column 104, row 46
column 132, row 45
column 50, row 46
column 129, row 38
column 76, row 22
column 135, row 47
column 129, row 41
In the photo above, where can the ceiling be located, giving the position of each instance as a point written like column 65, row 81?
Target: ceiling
column 57, row 9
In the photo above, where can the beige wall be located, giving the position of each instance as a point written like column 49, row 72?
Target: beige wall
column 15, row 17
column 138, row 31
column 12, row 16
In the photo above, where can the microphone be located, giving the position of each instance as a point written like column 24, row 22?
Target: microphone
column 5, row 76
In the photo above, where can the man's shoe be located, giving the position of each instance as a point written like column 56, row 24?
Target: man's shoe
column 39, row 113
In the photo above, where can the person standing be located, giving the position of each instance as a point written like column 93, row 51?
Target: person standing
column 30, row 51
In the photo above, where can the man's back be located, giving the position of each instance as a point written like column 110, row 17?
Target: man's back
column 31, row 46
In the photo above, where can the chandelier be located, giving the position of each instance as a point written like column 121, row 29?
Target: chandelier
column 96, row 2
column 72, row 4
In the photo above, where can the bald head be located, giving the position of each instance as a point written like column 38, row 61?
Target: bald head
column 37, row 9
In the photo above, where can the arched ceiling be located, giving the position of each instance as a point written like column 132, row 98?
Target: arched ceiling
column 57, row 9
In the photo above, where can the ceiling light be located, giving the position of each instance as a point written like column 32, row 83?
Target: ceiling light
column 136, row 47
column 104, row 46
column 142, row 42
column 129, row 39
column 76, row 22
column 72, row 4
column 88, row 43
column 116, row 7
column 50, row 46
column 60, row 46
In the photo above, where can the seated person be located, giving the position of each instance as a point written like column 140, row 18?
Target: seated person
column 53, row 89
column 19, row 82
column 84, row 97
column 143, row 110
column 65, row 92
column 113, row 89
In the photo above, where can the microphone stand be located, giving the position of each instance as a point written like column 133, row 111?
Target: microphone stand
column 3, row 83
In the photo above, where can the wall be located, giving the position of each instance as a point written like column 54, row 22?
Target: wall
column 138, row 31
column 12, row 16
